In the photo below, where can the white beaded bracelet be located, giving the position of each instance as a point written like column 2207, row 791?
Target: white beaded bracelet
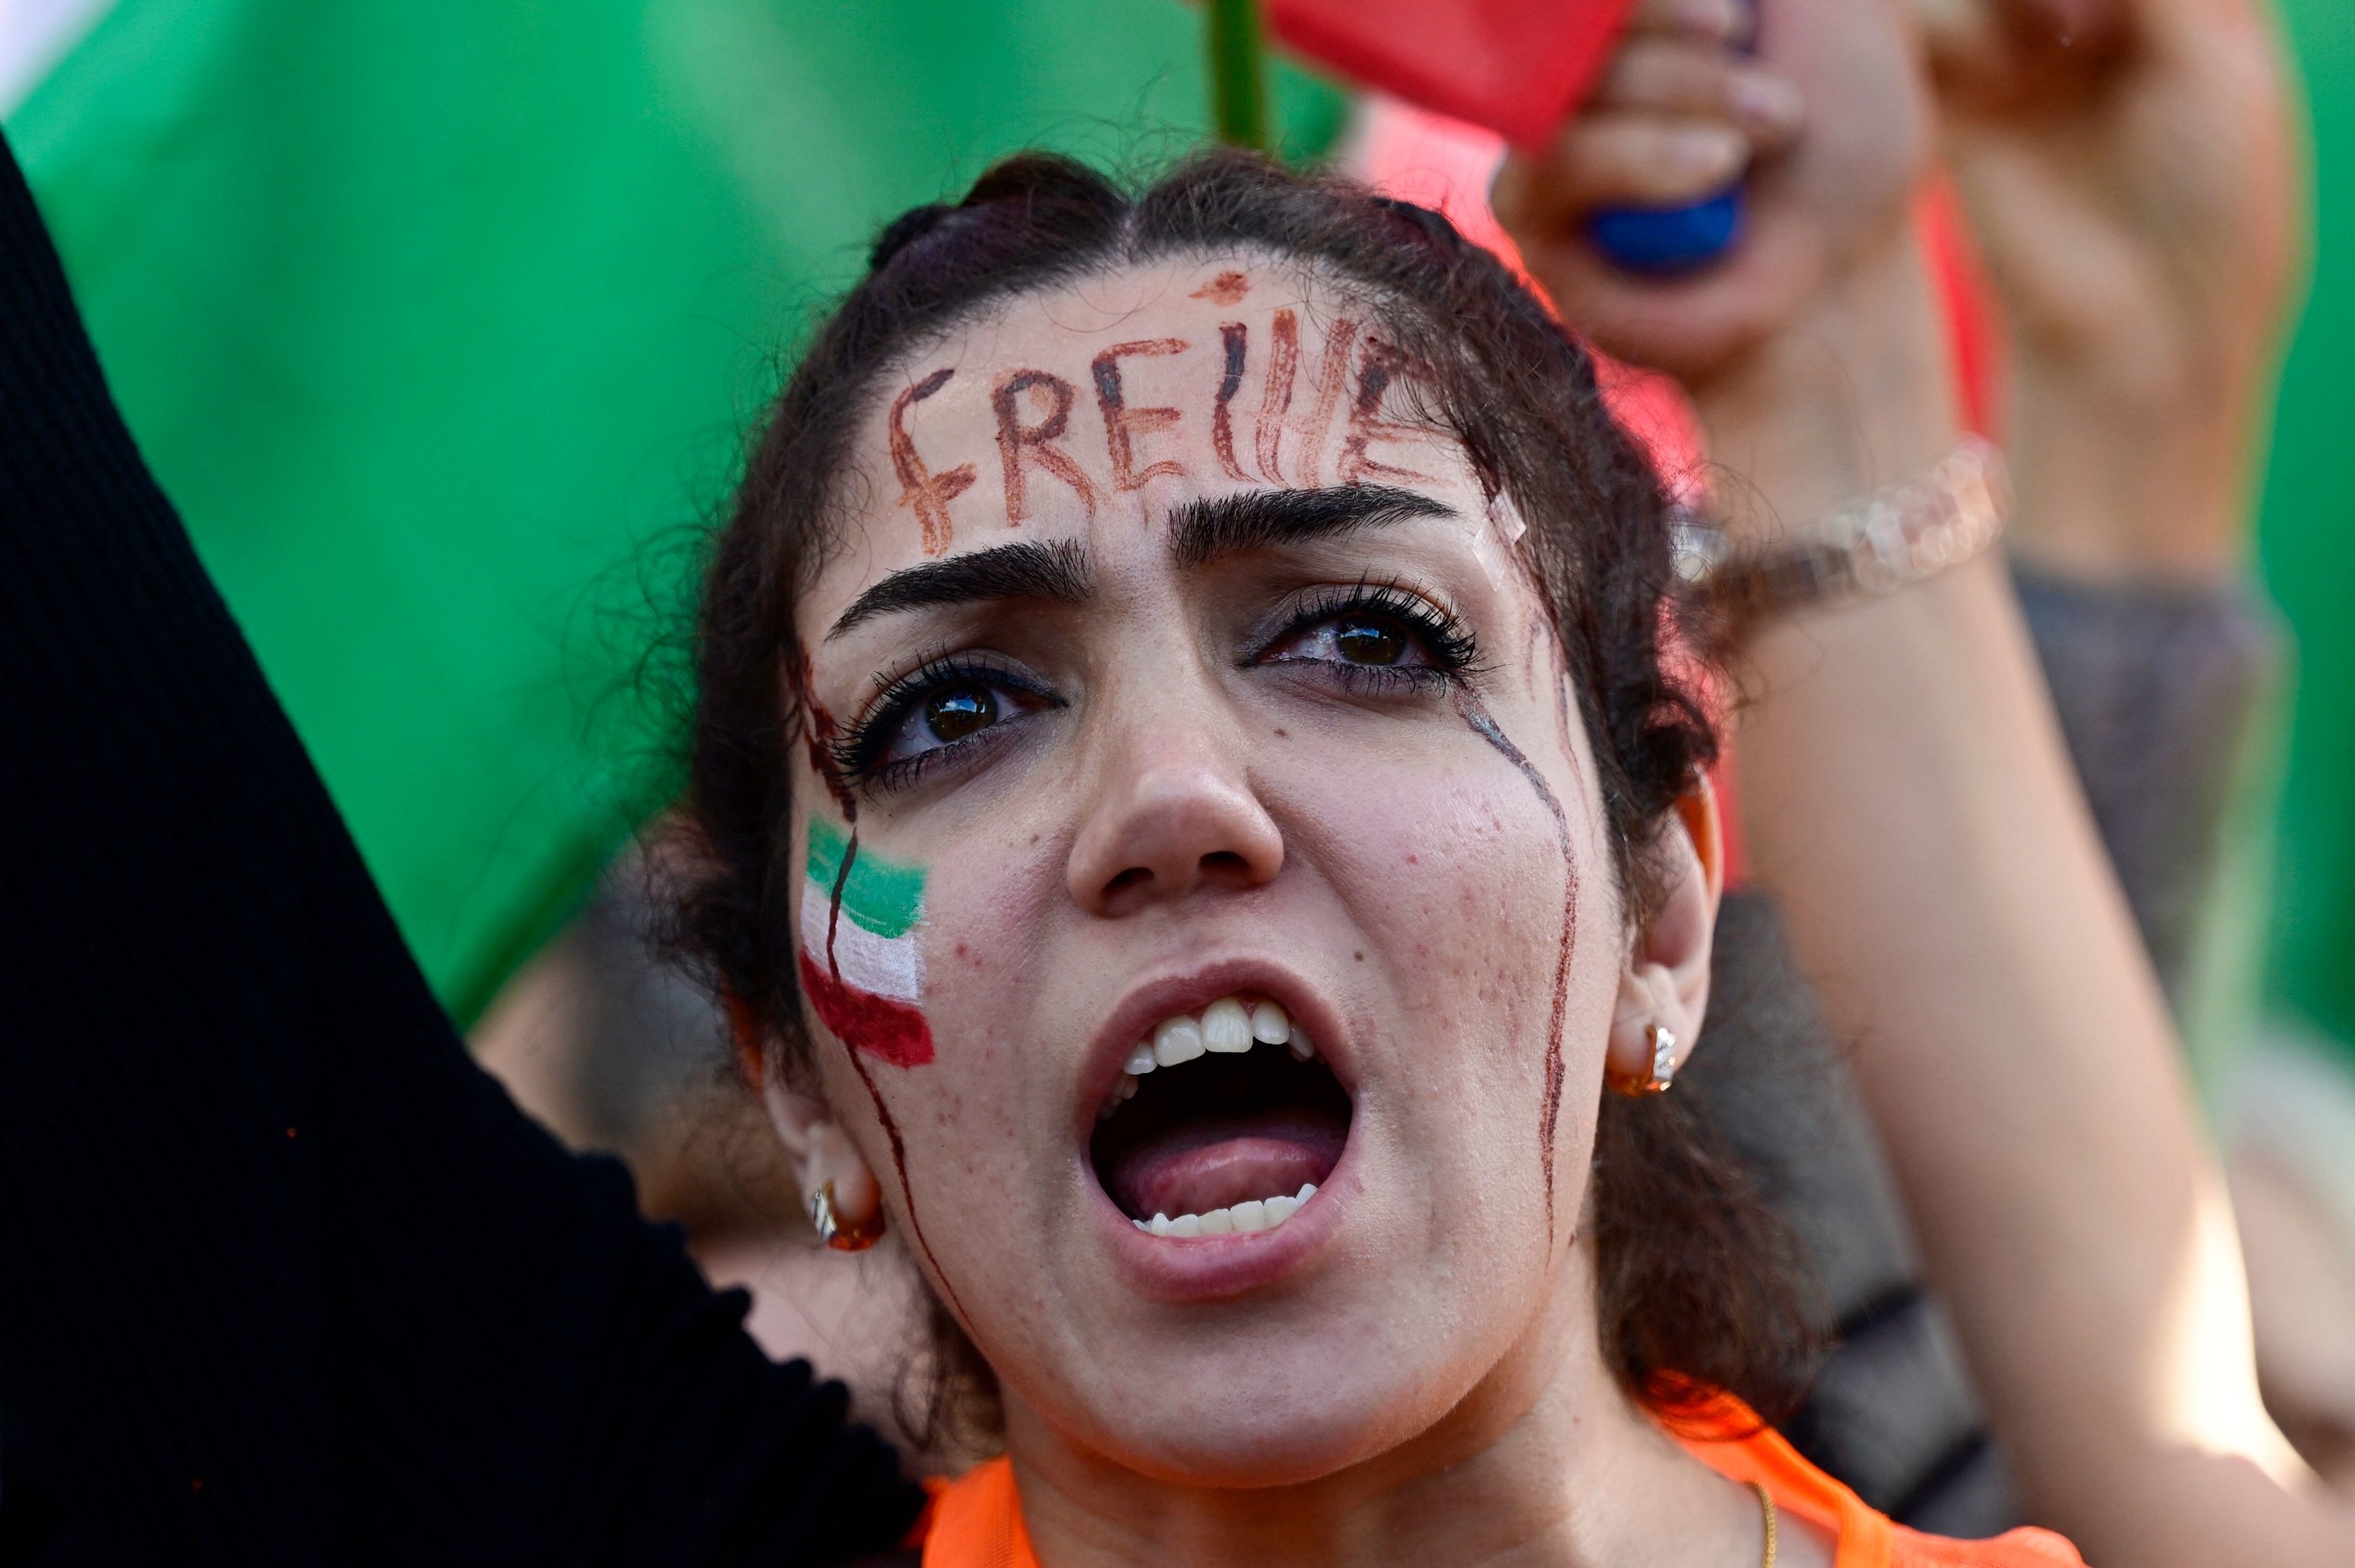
column 1901, row 535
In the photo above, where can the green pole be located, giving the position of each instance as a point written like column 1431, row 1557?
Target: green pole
column 1238, row 76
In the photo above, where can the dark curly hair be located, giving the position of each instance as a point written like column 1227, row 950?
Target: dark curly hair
column 1694, row 1291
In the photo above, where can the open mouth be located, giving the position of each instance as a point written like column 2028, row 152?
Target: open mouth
column 1225, row 1120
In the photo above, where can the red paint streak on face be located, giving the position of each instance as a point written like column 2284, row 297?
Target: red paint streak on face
column 817, row 731
column 907, row 1192
column 1385, row 365
column 1226, row 289
column 1275, row 400
column 1331, row 371
column 927, row 493
column 887, row 1030
column 1235, row 337
column 1550, row 1114
column 1020, row 445
column 1124, row 424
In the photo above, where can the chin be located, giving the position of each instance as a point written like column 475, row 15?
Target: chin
column 1243, row 1280
column 1303, row 1424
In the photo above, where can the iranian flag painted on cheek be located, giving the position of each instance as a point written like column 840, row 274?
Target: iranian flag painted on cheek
column 862, row 964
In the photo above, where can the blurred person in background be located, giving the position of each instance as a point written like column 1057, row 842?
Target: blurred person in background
column 2129, row 172
column 2133, row 178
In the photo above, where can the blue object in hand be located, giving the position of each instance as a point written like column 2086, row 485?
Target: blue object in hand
column 1675, row 239
column 1668, row 240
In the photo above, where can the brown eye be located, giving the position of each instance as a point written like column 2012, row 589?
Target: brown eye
column 941, row 707
column 962, row 711
column 1361, row 640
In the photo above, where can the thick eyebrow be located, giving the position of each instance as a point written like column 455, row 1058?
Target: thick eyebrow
column 1202, row 531
column 1058, row 570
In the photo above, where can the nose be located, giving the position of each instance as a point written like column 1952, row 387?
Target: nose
column 1174, row 813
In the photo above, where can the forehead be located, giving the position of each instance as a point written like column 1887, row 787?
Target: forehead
column 1098, row 403
column 1124, row 340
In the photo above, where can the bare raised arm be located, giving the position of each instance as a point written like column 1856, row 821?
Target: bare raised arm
column 1910, row 802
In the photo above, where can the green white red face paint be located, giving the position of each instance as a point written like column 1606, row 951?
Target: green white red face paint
column 861, row 959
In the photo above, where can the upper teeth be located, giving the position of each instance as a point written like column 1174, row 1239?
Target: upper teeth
column 1226, row 1026
column 1229, row 1026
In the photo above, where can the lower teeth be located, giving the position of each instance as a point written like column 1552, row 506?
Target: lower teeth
column 1251, row 1214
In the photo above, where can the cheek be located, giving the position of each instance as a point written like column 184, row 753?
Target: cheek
column 1452, row 869
column 984, row 980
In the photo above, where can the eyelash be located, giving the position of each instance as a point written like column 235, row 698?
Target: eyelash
column 859, row 753
column 1452, row 647
column 1446, row 642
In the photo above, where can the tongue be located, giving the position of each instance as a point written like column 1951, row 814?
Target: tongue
column 1214, row 1164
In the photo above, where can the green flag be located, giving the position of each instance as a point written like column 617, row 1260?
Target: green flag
column 2307, row 536
column 442, row 321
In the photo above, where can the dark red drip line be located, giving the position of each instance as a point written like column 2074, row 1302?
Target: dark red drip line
column 821, row 759
column 834, row 905
column 1551, row 1119
column 821, row 729
column 907, row 1191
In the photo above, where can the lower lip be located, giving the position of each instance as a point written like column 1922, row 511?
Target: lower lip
column 1210, row 1268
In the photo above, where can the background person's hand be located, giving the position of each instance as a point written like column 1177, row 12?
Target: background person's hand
column 2132, row 180
column 1682, row 112
column 1908, row 798
column 2132, row 172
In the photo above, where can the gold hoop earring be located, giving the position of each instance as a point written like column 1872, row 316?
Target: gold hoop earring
column 833, row 1230
column 1663, row 1043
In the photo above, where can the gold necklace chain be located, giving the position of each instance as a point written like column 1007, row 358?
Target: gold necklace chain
column 1767, row 1505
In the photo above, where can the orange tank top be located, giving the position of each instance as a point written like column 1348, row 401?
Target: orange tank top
column 975, row 1521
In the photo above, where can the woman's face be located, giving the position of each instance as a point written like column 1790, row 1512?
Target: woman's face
column 1170, row 693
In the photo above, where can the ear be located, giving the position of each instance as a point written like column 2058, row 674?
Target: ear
column 821, row 1152
column 1666, row 978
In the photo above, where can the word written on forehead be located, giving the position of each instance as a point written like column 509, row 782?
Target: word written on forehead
column 1294, row 413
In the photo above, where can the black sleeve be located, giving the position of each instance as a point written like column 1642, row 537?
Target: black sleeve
column 283, row 1277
